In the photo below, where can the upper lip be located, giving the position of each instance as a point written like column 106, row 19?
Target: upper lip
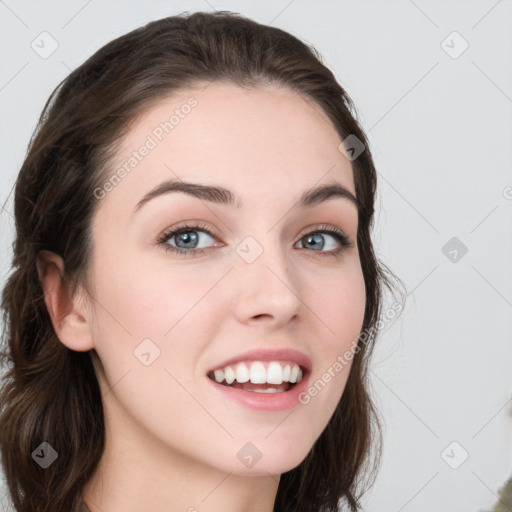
column 286, row 354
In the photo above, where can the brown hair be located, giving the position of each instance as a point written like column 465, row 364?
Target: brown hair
column 51, row 394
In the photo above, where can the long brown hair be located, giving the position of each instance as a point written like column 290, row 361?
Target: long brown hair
column 50, row 393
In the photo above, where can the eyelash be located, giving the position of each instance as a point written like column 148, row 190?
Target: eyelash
column 342, row 239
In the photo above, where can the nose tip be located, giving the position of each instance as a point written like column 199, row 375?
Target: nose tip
column 267, row 293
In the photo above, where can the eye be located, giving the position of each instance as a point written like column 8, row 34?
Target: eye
column 316, row 240
column 187, row 237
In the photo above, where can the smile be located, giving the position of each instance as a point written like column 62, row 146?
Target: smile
column 259, row 376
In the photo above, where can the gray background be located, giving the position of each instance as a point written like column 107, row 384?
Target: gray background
column 440, row 129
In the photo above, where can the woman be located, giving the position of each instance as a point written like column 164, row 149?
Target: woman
column 194, row 295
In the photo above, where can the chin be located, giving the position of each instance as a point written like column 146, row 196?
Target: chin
column 274, row 464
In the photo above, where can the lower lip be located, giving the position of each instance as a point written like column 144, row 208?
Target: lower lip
column 263, row 401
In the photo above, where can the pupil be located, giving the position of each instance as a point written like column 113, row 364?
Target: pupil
column 317, row 240
column 186, row 235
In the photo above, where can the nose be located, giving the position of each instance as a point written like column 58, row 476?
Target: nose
column 266, row 290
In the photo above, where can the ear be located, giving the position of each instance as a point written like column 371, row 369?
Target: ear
column 68, row 315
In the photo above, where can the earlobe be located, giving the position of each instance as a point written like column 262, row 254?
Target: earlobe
column 69, row 322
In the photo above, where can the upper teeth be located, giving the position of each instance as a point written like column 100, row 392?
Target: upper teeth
column 274, row 373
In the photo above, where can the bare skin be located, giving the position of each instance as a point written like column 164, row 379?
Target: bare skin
column 172, row 443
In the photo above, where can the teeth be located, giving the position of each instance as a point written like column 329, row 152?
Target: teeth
column 242, row 373
column 258, row 374
column 269, row 390
column 229, row 374
column 219, row 375
column 286, row 373
column 295, row 373
column 275, row 373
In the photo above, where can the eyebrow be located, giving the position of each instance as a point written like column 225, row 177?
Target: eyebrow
column 223, row 196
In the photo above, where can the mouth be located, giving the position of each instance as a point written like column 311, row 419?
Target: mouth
column 260, row 376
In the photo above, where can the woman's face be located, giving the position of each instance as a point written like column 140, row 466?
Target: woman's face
column 265, row 285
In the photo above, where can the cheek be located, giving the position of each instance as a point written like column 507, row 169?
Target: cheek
column 149, row 298
column 139, row 301
column 340, row 307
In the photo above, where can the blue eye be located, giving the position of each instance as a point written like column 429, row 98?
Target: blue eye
column 187, row 236
column 317, row 239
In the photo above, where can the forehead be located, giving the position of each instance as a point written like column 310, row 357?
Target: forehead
column 267, row 139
